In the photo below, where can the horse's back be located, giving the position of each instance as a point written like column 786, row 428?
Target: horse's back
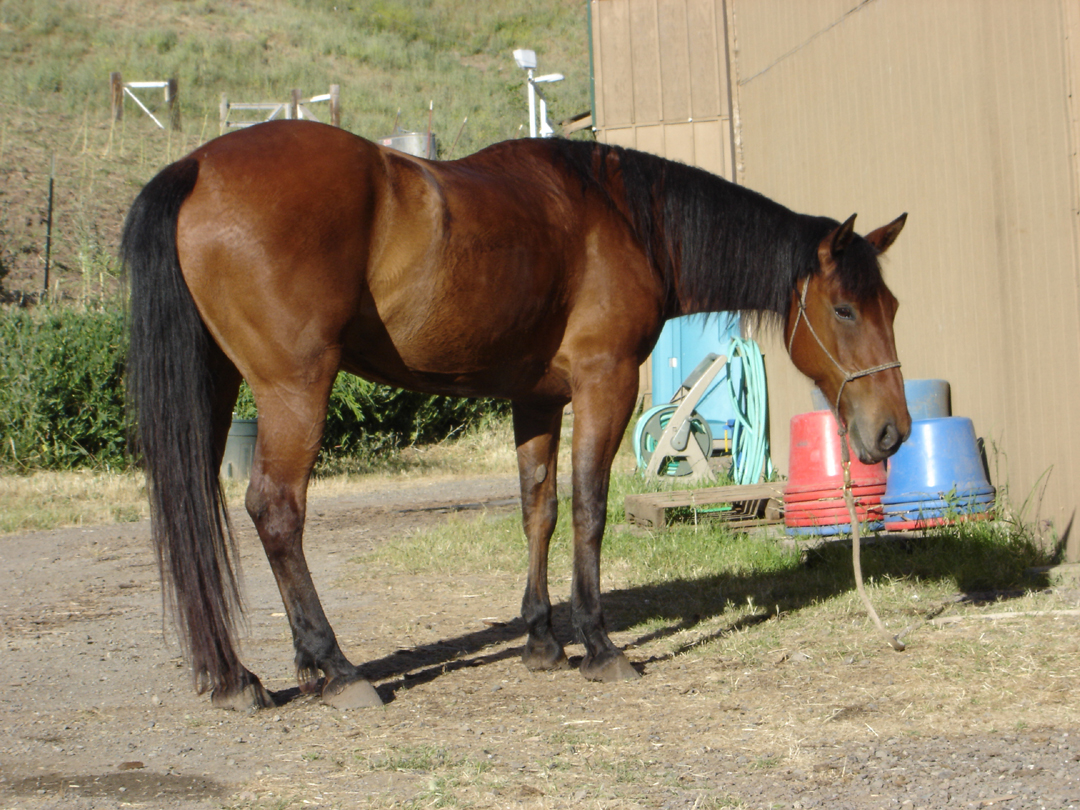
column 458, row 277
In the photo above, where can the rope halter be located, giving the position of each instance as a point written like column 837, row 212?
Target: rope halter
column 845, row 457
column 848, row 375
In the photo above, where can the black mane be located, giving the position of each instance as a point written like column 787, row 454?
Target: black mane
column 718, row 246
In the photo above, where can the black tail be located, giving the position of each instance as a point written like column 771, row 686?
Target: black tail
column 171, row 400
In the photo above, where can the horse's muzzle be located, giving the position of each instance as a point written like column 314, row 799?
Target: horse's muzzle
column 888, row 436
column 889, row 439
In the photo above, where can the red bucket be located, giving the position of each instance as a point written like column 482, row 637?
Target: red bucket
column 815, row 462
column 872, row 519
column 872, row 492
column 830, row 512
column 934, row 522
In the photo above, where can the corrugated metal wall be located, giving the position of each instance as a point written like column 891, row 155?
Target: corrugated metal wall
column 960, row 113
column 660, row 78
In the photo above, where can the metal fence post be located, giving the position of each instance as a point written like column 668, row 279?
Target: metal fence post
column 335, row 105
column 171, row 92
column 116, row 92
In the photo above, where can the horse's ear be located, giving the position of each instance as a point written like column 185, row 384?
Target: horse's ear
column 843, row 235
column 886, row 234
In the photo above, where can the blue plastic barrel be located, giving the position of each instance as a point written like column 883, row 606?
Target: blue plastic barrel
column 941, row 456
column 928, row 399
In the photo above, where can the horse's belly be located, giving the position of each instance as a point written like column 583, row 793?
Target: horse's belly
column 451, row 361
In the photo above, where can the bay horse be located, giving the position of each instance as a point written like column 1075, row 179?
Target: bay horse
column 538, row 271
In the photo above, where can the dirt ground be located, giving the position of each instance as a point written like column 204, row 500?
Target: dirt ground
column 97, row 710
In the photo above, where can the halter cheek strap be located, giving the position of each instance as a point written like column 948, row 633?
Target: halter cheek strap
column 848, row 375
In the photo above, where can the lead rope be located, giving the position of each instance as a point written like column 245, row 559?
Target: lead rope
column 856, row 561
column 845, row 457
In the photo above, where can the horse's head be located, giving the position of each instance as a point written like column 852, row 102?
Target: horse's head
column 839, row 333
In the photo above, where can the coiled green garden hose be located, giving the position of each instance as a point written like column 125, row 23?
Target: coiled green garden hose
column 749, row 397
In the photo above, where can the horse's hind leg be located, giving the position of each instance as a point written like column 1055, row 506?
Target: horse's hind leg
column 291, row 419
column 248, row 693
column 536, row 433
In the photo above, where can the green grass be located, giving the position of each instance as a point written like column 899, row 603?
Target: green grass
column 686, row 587
column 445, row 773
column 387, row 56
column 391, row 60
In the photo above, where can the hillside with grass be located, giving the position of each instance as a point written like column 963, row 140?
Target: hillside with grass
column 397, row 63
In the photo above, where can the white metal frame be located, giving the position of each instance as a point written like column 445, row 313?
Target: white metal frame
column 527, row 59
column 129, row 86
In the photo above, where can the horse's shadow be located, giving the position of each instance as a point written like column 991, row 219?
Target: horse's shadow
column 674, row 606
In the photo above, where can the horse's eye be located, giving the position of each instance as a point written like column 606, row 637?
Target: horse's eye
column 844, row 312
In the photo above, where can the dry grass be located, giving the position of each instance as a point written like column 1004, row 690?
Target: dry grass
column 52, row 500
column 487, row 449
column 46, row 500
column 753, row 669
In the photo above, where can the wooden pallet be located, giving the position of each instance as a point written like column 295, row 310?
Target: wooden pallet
column 750, row 505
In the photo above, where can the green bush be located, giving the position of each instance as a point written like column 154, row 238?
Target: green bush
column 61, row 388
column 366, row 418
column 62, row 397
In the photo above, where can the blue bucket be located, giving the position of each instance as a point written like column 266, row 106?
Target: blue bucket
column 832, row 529
column 949, row 502
column 939, row 510
column 940, row 459
column 926, row 399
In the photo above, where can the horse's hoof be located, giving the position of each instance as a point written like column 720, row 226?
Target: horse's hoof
column 541, row 656
column 609, row 668
column 357, row 694
column 251, row 698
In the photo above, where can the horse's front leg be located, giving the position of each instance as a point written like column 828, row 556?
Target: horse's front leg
column 536, row 434
column 289, row 434
column 602, row 410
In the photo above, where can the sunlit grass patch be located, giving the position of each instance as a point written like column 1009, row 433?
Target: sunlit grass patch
column 48, row 500
column 704, row 589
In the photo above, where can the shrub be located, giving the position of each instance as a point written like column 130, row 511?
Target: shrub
column 365, row 417
column 62, row 397
column 61, row 388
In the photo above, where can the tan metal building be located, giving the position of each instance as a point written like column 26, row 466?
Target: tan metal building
column 961, row 113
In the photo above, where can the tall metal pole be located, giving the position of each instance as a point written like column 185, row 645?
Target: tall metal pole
column 532, row 105
column 48, row 227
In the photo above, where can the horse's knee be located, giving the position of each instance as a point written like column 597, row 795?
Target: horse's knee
column 275, row 511
column 256, row 502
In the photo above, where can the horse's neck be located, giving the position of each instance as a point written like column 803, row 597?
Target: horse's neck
column 749, row 259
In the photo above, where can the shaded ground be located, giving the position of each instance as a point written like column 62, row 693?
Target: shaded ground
column 97, row 711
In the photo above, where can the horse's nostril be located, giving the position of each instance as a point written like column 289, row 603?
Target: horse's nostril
column 889, row 437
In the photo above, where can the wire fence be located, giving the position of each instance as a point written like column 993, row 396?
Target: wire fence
column 66, row 182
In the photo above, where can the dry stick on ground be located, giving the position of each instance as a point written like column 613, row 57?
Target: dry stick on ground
column 1018, row 614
